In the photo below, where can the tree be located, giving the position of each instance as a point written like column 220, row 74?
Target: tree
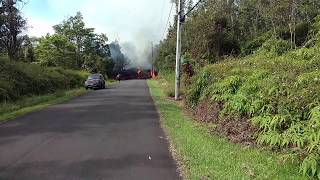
column 28, row 50
column 11, row 25
column 56, row 51
column 2, row 21
column 92, row 50
column 97, row 55
column 308, row 10
column 97, row 64
column 98, row 44
column 219, row 28
column 250, row 18
column 74, row 29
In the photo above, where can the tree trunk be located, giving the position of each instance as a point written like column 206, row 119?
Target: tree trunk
column 291, row 35
column 256, row 25
column 78, row 53
column 274, row 27
column 12, row 47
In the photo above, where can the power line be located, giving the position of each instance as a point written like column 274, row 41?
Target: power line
column 193, row 7
column 168, row 21
column 162, row 13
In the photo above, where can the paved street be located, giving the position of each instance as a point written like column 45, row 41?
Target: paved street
column 107, row 134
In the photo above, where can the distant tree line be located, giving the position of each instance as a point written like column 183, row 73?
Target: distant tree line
column 220, row 28
column 72, row 46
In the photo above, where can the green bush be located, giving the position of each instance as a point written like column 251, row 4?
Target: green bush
column 280, row 94
column 21, row 79
column 253, row 45
column 276, row 46
column 170, row 91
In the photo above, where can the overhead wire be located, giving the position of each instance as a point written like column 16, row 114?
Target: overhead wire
column 186, row 14
column 193, row 7
column 162, row 13
column 165, row 30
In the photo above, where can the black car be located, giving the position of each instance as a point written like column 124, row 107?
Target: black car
column 95, row 81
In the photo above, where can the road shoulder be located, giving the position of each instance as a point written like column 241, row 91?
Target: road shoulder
column 28, row 105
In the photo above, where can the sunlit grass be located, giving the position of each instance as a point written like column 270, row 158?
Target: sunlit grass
column 12, row 110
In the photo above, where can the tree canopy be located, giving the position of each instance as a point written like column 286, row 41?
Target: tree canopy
column 219, row 28
column 73, row 45
column 11, row 25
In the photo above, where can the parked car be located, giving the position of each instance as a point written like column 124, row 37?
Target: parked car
column 95, row 81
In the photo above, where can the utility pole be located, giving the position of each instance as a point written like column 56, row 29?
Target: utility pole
column 152, row 51
column 152, row 61
column 180, row 15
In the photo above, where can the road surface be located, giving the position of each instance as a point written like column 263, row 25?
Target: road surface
column 108, row 134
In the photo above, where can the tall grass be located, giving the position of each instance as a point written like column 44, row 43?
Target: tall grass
column 21, row 79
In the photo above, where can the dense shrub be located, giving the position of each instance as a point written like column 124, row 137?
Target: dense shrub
column 255, row 43
column 21, row 79
column 276, row 46
column 280, row 94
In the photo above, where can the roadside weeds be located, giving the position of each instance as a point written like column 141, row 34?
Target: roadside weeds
column 202, row 155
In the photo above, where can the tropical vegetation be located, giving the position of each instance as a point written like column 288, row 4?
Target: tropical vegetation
column 254, row 63
column 59, row 61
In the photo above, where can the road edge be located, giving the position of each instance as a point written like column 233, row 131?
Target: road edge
column 68, row 95
column 172, row 149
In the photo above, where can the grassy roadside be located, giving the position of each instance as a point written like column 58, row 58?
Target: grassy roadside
column 202, row 155
column 10, row 111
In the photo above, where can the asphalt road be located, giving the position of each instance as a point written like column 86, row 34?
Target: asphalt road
column 107, row 134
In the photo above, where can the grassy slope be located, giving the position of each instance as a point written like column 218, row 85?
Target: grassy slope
column 204, row 155
column 10, row 111
column 18, row 79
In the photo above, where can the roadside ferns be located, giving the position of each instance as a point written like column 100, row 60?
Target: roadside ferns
column 279, row 94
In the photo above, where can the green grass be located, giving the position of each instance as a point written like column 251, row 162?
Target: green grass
column 11, row 110
column 110, row 82
column 203, row 155
column 167, row 79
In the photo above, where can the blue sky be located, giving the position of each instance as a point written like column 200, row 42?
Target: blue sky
column 126, row 20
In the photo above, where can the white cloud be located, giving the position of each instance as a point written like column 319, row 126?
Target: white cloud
column 126, row 18
column 116, row 18
column 38, row 27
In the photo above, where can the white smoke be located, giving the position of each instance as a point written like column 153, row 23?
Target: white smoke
column 139, row 51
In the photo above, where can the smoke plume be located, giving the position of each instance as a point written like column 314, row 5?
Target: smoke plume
column 137, row 53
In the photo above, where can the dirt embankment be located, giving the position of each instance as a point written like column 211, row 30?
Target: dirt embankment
column 236, row 129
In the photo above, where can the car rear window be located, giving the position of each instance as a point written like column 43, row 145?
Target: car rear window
column 94, row 77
